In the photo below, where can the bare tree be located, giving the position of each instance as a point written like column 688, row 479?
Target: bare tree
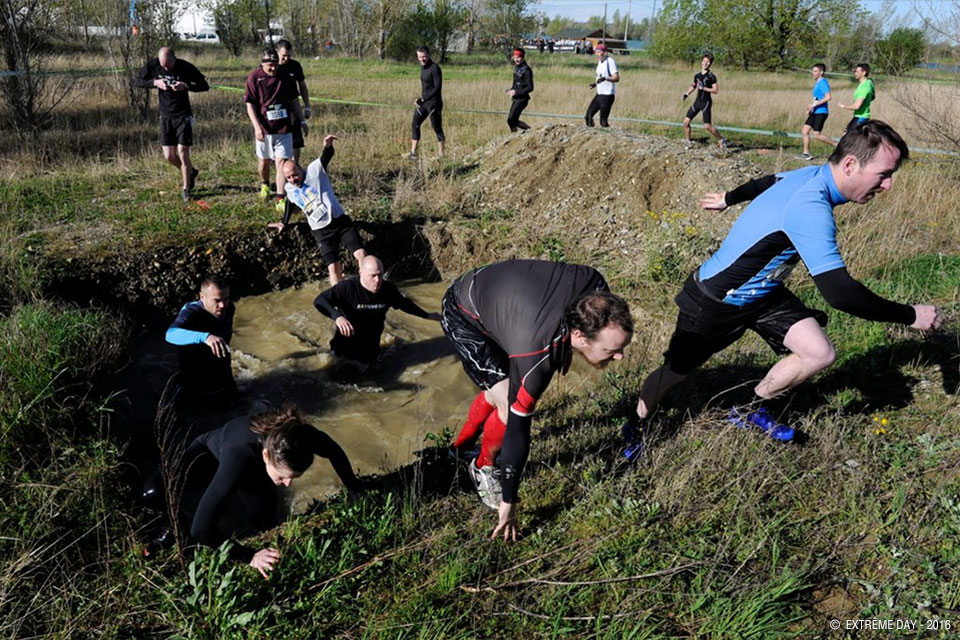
column 935, row 107
column 25, row 91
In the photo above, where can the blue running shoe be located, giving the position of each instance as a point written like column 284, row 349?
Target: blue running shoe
column 761, row 419
column 632, row 432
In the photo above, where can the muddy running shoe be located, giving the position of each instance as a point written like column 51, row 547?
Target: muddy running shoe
column 688, row 144
column 723, row 144
column 761, row 419
column 193, row 178
column 185, row 194
column 487, row 482
column 804, row 156
column 632, row 432
column 410, row 155
column 281, row 204
column 265, row 192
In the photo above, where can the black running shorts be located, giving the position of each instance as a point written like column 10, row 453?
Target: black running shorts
column 483, row 359
column 697, row 107
column 176, row 131
column 815, row 121
column 340, row 232
column 706, row 326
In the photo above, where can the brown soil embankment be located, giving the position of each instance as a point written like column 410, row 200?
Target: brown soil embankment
column 577, row 192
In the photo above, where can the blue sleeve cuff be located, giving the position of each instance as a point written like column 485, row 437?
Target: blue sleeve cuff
column 181, row 337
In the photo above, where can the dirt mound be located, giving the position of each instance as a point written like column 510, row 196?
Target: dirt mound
column 566, row 184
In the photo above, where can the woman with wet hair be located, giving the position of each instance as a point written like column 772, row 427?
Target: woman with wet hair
column 250, row 457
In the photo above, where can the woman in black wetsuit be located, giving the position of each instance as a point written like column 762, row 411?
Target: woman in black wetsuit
column 248, row 458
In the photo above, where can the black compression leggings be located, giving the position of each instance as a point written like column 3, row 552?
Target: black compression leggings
column 433, row 110
column 600, row 103
column 516, row 108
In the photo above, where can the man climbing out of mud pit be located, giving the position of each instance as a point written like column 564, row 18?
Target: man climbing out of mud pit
column 605, row 84
column 359, row 308
column 741, row 286
column 514, row 324
column 312, row 192
column 202, row 332
column 174, row 79
column 520, row 91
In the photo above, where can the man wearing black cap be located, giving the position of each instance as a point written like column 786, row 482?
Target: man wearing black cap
column 520, row 91
column 607, row 77
column 270, row 100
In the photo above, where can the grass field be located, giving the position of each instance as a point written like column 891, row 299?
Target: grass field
column 716, row 533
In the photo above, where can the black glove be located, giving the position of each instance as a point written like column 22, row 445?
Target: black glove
column 593, row 85
column 684, row 97
column 601, row 80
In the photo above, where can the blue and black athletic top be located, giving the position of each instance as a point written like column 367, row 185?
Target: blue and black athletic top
column 790, row 219
column 200, row 370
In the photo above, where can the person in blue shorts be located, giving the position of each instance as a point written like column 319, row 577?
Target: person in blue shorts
column 741, row 286
column 817, row 111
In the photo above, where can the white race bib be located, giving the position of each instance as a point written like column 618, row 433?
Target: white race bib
column 276, row 112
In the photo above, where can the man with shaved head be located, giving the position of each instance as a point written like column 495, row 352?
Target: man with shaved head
column 359, row 307
column 312, row 192
column 174, row 79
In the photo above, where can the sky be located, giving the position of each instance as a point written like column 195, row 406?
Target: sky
column 582, row 9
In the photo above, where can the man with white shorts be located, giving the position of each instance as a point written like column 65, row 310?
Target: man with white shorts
column 271, row 107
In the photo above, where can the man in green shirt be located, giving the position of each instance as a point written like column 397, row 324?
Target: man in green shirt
column 862, row 97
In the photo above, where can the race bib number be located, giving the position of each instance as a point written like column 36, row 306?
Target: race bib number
column 276, row 112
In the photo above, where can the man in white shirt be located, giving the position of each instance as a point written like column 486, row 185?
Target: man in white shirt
column 607, row 77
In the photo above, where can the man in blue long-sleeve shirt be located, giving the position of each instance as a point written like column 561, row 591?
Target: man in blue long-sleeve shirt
column 202, row 333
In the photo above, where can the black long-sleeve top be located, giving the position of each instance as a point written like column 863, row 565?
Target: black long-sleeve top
column 366, row 311
column 431, row 82
column 172, row 103
column 239, row 454
column 522, row 81
column 838, row 287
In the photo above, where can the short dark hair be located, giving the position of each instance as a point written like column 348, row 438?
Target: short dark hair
column 284, row 44
column 821, row 66
column 590, row 313
column 423, row 49
column 214, row 280
column 286, row 436
column 863, row 141
column 708, row 55
column 864, row 66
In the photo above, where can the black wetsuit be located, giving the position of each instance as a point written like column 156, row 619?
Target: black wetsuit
column 507, row 320
column 176, row 124
column 430, row 101
column 704, row 101
column 522, row 88
column 238, row 496
column 366, row 311
column 202, row 373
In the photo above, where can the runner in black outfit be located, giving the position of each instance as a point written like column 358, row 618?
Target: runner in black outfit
column 359, row 307
column 174, row 79
column 293, row 70
column 705, row 84
column 430, row 102
column 520, row 91
column 514, row 324
column 238, row 468
column 202, row 332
